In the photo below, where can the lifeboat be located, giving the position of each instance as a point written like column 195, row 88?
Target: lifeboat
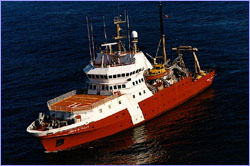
column 156, row 72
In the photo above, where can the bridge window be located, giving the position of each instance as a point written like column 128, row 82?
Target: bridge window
column 97, row 76
column 90, row 86
column 127, row 74
column 119, row 86
column 119, row 75
column 123, row 86
column 101, row 76
column 133, row 96
column 123, row 74
column 137, row 71
column 106, row 77
column 140, row 93
column 133, row 72
column 136, row 82
column 107, row 87
column 144, row 91
column 110, row 76
column 133, row 83
column 114, row 76
column 110, row 87
column 139, row 81
column 94, row 87
column 115, row 87
column 102, row 87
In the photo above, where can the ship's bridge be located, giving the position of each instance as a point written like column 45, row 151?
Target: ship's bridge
column 105, row 78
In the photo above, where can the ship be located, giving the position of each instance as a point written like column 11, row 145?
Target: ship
column 125, row 88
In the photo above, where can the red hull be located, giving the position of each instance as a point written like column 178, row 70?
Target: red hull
column 163, row 101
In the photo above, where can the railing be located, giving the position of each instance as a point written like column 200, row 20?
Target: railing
column 59, row 98
column 70, row 109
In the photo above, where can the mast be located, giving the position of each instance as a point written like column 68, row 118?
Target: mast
column 104, row 27
column 93, row 44
column 118, row 21
column 162, row 35
column 128, row 32
column 90, row 52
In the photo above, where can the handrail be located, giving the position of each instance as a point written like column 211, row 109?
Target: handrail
column 59, row 98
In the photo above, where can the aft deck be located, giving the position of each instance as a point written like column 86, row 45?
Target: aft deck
column 78, row 102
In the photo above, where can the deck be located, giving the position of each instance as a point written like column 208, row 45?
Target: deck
column 78, row 102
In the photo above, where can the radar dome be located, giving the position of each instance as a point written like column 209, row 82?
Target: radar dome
column 134, row 34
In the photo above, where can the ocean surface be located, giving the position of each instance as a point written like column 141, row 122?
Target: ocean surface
column 45, row 48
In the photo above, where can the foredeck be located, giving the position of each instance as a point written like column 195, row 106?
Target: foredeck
column 78, row 102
